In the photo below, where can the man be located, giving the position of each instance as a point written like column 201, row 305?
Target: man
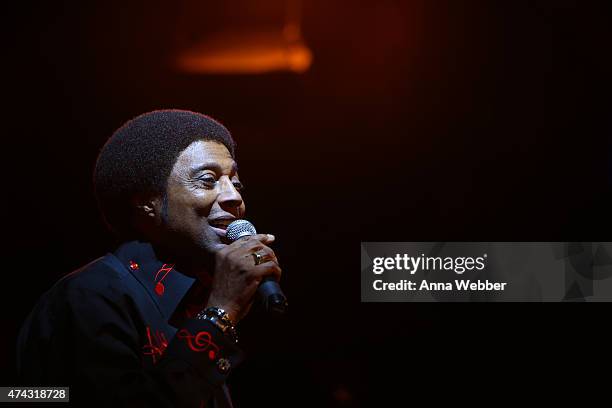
column 153, row 324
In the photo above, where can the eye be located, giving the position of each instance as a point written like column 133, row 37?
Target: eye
column 238, row 185
column 208, row 179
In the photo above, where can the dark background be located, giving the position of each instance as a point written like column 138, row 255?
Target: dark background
column 418, row 120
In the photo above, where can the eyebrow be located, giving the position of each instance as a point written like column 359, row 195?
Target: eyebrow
column 213, row 166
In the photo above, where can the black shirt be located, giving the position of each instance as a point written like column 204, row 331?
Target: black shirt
column 119, row 331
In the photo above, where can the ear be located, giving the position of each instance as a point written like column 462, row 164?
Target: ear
column 146, row 206
column 146, row 210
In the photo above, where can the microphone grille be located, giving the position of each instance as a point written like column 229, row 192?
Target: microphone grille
column 238, row 229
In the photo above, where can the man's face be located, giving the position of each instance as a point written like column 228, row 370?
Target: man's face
column 203, row 197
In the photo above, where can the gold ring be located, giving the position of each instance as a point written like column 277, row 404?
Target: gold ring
column 258, row 258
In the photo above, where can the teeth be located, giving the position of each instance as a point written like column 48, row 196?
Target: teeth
column 222, row 226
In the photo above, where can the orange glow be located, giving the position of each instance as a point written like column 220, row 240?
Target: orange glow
column 248, row 53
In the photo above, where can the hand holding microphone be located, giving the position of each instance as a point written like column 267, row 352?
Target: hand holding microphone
column 244, row 267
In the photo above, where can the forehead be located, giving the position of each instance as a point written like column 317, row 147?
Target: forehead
column 204, row 153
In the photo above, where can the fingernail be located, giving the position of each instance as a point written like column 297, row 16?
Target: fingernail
column 271, row 237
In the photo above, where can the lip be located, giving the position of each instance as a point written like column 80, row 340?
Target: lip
column 219, row 231
column 219, row 225
column 221, row 222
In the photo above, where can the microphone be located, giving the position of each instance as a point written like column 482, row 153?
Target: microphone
column 269, row 290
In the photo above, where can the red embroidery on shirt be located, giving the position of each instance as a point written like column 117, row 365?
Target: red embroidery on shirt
column 156, row 346
column 159, row 286
column 200, row 342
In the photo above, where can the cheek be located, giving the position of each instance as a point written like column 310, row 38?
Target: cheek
column 203, row 204
column 190, row 206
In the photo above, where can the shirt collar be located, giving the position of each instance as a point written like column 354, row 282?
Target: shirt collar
column 165, row 285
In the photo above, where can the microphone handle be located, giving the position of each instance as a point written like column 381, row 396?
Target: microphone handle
column 272, row 296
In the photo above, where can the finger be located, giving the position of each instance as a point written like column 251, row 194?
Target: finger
column 264, row 238
column 244, row 244
column 254, row 245
column 251, row 243
column 250, row 261
column 266, row 269
column 262, row 255
column 267, row 253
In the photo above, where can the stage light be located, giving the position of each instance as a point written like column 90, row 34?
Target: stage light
column 253, row 50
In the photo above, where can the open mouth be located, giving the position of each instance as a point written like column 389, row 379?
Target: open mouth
column 220, row 225
column 220, row 231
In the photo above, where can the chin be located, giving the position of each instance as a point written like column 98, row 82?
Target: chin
column 213, row 242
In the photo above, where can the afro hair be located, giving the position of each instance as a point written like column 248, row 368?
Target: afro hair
column 140, row 155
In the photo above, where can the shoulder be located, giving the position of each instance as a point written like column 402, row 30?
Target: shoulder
column 80, row 305
column 78, row 296
column 102, row 275
column 101, row 280
column 91, row 295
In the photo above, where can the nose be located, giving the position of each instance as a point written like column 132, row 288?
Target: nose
column 229, row 197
